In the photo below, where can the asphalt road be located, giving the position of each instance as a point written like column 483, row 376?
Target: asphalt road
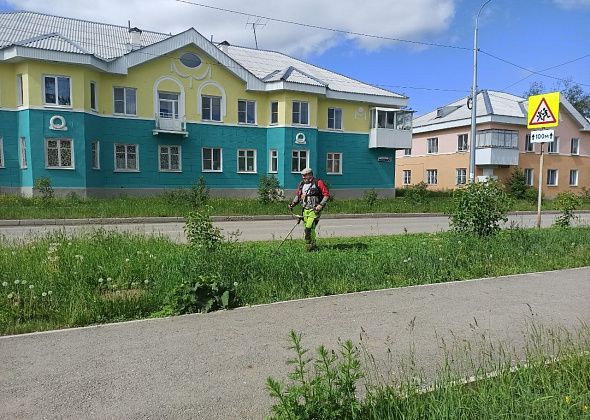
column 214, row 366
column 256, row 230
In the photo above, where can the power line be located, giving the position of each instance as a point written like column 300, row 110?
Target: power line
column 324, row 28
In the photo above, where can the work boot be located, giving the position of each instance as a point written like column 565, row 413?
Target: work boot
column 311, row 246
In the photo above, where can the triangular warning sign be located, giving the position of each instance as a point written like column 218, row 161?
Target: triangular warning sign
column 542, row 115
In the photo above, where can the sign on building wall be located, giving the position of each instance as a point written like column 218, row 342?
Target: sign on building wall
column 543, row 110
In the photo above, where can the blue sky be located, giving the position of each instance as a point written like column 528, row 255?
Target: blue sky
column 533, row 34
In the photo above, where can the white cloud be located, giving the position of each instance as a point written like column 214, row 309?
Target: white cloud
column 408, row 19
column 572, row 4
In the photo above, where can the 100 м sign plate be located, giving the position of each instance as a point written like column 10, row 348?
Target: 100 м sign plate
column 542, row 136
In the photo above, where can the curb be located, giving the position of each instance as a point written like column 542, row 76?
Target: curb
column 148, row 220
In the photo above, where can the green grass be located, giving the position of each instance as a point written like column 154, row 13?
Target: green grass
column 176, row 204
column 108, row 277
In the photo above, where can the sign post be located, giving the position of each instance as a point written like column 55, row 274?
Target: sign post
column 543, row 112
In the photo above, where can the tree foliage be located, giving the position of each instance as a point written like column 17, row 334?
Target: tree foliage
column 572, row 91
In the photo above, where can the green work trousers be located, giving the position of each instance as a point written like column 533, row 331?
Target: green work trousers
column 310, row 221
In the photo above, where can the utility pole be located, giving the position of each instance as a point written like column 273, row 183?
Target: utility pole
column 474, row 100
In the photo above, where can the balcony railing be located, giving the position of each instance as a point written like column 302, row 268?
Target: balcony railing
column 170, row 124
column 390, row 128
column 496, row 147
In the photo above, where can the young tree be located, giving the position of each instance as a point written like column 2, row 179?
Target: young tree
column 573, row 92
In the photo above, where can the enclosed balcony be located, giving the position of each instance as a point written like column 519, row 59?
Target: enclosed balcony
column 496, row 147
column 390, row 128
column 168, row 119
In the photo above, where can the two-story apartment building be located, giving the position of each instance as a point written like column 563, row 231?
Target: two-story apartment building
column 103, row 109
column 439, row 154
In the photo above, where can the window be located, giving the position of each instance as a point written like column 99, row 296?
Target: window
column 462, row 143
column 575, row 146
column 432, row 145
column 432, row 176
column 528, row 176
column 247, row 160
column 125, row 100
column 57, row 90
column 528, row 145
column 246, row 112
column 407, row 152
column 334, row 164
column 93, row 102
column 274, row 112
column 300, row 113
column 19, row 90
column 126, row 157
column 407, row 177
column 170, row 158
column 552, row 177
column 22, row 151
column 168, row 104
column 461, row 176
column 299, row 160
column 211, row 108
column 507, row 139
column 59, row 154
column 190, row 60
column 553, row 146
column 273, row 162
column 573, row 177
column 335, row 118
column 1, row 152
column 212, row 160
column 95, row 151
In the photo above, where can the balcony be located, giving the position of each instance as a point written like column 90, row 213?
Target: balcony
column 390, row 128
column 496, row 147
column 169, row 124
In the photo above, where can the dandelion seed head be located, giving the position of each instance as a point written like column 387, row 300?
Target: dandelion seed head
column 235, row 284
column 146, row 281
column 100, row 280
column 31, row 286
column 44, row 294
column 16, row 281
column 23, row 282
column 49, row 292
column 4, row 283
column 109, row 279
column 440, row 259
column 10, row 295
column 126, row 259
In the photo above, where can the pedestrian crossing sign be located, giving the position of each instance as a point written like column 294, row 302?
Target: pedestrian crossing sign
column 543, row 110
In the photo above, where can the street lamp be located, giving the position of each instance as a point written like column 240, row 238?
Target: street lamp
column 474, row 100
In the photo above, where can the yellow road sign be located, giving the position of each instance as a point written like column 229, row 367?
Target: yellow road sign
column 543, row 110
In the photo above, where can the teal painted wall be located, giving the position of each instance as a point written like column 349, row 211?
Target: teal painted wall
column 10, row 175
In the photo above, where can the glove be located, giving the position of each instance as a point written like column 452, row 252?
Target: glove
column 291, row 205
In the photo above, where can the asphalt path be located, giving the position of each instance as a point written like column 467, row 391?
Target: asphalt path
column 214, row 366
column 263, row 230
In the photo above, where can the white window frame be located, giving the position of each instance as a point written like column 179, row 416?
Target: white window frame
column 94, row 90
column 210, row 107
column 20, row 97
column 530, row 171
column 247, row 103
column 432, row 175
column 529, row 146
column 273, row 156
column 211, row 158
column 1, row 152
column 125, row 90
column 575, row 141
column 296, row 154
column 95, row 154
column 126, row 169
column 332, row 159
column 406, row 176
column 56, row 81
column 22, row 152
column 462, row 140
column 245, row 155
column 556, row 172
column 575, row 183
column 460, row 176
column 432, row 145
column 335, row 111
column 553, row 146
column 59, row 165
column 274, row 113
column 169, row 153
column 299, row 113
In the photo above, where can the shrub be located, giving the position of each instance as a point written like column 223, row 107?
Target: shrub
column 207, row 293
column 516, row 184
column 269, row 189
column 44, row 187
column 417, row 194
column 370, row 197
column 199, row 192
column 479, row 208
column 330, row 393
column 566, row 202
column 532, row 194
column 200, row 231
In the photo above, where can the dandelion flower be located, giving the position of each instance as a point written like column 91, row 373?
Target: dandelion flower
column 44, row 294
column 585, row 408
column 567, row 399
